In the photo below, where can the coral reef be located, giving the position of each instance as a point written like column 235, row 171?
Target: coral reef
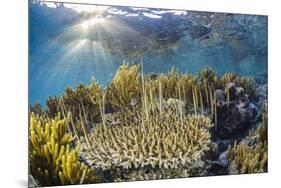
column 52, row 106
column 262, row 95
column 130, row 89
column 86, row 96
column 52, row 160
column 151, row 126
column 245, row 159
column 37, row 108
column 235, row 111
column 246, row 83
column 125, row 90
column 250, row 155
column 164, row 141
column 159, row 114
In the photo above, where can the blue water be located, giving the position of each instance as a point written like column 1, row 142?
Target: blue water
column 64, row 51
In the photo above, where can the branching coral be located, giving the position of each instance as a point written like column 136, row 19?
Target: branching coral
column 197, row 91
column 37, row 108
column 143, row 127
column 52, row 106
column 125, row 88
column 130, row 89
column 173, row 85
column 169, row 84
column 240, row 81
column 260, row 133
column 246, row 159
column 86, row 96
column 52, row 161
column 163, row 141
column 251, row 155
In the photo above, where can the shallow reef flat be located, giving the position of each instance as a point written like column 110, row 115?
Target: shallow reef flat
column 150, row 126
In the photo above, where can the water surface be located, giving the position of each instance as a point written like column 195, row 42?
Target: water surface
column 72, row 43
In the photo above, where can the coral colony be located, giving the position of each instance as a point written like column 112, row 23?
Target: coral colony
column 146, row 126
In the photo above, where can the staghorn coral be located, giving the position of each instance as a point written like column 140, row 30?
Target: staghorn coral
column 197, row 91
column 125, row 87
column 169, row 84
column 163, row 141
column 52, row 161
column 207, row 74
column 173, row 85
column 258, row 134
column 250, row 156
column 37, row 109
column 246, row 159
column 130, row 89
column 52, row 106
column 86, row 97
column 151, row 126
column 240, row 81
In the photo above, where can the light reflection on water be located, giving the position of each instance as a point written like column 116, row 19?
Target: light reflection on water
column 68, row 47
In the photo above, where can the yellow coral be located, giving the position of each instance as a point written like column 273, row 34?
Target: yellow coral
column 52, row 161
column 245, row 82
column 87, row 97
column 247, row 159
column 162, row 141
column 125, row 87
column 130, row 90
column 251, row 159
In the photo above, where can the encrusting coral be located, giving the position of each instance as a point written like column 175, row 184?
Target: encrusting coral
column 52, row 159
column 164, row 141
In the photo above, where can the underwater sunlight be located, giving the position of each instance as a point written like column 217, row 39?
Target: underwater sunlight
column 126, row 93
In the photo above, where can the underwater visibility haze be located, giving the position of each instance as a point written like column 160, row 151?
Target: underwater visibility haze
column 125, row 93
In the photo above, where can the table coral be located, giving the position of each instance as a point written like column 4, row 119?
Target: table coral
column 163, row 141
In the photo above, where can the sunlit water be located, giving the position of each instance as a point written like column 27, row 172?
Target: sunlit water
column 71, row 44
